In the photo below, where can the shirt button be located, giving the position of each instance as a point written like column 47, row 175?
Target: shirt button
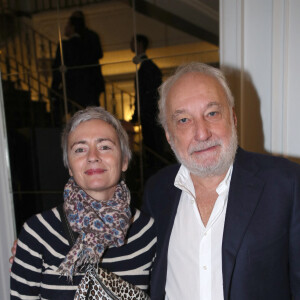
column 205, row 267
column 205, row 233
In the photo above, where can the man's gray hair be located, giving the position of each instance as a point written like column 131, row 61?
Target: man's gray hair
column 95, row 113
column 193, row 67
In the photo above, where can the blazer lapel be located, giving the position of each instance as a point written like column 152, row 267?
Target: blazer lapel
column 244, row 195
column 169, row 214
column 165, row 221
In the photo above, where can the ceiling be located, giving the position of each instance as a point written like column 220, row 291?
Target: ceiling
column 165, row 22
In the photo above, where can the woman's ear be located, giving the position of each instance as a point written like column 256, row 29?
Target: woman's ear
column 125, row 164
column 70, row 172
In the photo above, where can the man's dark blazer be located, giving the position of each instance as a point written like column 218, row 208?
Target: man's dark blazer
column 261, row 239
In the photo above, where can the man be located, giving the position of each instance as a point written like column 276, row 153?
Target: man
column 228, row 221
column 149, row 79
column 92, row 53
column 72, row 53
column 82, row 51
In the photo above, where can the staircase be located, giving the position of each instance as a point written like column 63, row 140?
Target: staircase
column 25, row 60
column 26, row 56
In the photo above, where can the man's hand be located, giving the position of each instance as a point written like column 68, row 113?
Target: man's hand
column 13, row 252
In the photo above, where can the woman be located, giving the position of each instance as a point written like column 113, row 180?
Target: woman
column 96, row 203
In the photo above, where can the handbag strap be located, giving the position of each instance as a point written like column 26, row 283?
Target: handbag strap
column 70, row 234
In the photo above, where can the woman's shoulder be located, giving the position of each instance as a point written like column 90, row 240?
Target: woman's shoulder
column 134, row 259
column 139, row 248
column 140, row 220
column 43, row 226
column 137, row 213
column 142, row 232
column 50, row 216
column 44, row 232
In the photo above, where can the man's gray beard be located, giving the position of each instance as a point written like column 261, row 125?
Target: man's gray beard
column 225, row 160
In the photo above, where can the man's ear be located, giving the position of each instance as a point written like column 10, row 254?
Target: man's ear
column 167, row 136
column 234, row 117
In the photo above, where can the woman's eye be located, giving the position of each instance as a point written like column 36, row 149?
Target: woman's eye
column 105, row 147
column 79, row 150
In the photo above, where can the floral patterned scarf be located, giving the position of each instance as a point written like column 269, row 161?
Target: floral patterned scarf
column 100, row 224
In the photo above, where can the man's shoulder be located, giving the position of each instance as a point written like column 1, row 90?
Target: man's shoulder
column 171, row 169
column 91, row 33
column 164, row 176
column 265, row 162
column 149, row 66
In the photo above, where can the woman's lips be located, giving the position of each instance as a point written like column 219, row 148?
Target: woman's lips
column 94, row 171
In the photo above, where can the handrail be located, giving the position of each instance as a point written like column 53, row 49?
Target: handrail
column 28, row 72
column 34, row 6
column 21, row 56
column 32, row 87
column 43, row 37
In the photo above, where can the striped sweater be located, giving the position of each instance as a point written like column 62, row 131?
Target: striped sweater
column 42, row 245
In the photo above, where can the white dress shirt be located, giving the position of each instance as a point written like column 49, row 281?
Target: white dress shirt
column 194, row 268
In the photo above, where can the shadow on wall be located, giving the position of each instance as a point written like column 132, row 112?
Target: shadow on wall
column 250, row 126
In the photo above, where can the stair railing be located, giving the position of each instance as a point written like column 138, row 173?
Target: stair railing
column 26, row 60
column 28, row 7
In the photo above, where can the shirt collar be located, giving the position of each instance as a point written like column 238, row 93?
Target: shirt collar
column 225, row 183
column 139, row 58
column 184, row 181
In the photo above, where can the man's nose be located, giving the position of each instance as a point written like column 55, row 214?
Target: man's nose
column 202, row 130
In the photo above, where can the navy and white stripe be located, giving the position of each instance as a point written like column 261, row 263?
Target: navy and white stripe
column 42, row 245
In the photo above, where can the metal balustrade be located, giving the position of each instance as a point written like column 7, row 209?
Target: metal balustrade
column 25, row 60
column 28, row 7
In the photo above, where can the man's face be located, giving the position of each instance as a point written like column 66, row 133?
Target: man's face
column 201, row 125
column 69, row 29
column 139, row 47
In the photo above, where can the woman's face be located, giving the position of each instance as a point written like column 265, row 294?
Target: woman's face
column 94, row 156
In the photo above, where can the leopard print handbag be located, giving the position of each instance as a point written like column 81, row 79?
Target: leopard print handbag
column 102, row 284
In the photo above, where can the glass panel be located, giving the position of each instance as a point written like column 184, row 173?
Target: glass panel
column 42, row 90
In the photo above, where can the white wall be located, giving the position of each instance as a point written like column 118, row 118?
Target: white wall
column 260, row 49
column 7, row 223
